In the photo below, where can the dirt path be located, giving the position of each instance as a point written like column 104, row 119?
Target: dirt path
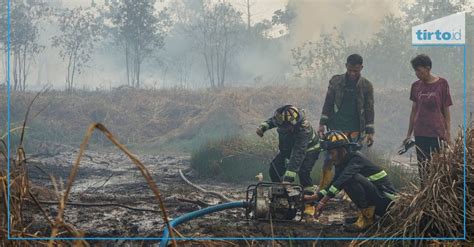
column 110, row 178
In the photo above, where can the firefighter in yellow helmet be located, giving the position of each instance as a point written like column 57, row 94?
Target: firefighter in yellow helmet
column 364, row 182
column 298, row 143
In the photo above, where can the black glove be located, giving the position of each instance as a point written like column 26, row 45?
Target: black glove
column 289, row 177
column 407, row 144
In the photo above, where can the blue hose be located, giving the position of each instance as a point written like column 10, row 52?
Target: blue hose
column 199, row 213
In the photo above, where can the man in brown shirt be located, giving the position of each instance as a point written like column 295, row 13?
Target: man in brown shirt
column 348, row 107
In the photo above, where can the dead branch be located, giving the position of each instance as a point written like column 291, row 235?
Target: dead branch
column 59, row 219
column 84, row 204
column 200, row 203
column 217, row 194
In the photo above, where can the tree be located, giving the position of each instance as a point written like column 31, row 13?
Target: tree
column 139, row 31
column 216, row 30
column 284, row 17
column 249, row 15
column 4, row 37
column 25, row 18
column 80, row 29
column 422, row 11
column 427, row 10
column 318, row 61
column 388, row 53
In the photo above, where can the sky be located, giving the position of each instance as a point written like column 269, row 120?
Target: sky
column 263, row 8
column 358, row 19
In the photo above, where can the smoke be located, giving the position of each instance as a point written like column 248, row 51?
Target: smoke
column 357, row 19
column 269, row 61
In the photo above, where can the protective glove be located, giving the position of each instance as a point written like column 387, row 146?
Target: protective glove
column 320, row 206
column 260, row 131
column 370, row 140
column 289, row 176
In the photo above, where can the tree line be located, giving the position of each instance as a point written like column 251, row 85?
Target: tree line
column 212, row 37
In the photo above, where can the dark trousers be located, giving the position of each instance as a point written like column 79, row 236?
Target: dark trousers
column 278, row 167
column 425, row 148
column 365, row 194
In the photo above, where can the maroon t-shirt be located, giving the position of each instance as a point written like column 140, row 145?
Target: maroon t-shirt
column 430, row 100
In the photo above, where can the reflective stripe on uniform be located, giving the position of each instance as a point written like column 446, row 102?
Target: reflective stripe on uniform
column 324, row 116
column 369, row 125
column 265, row 125
column 323, row 192
column 377, row 176
column 390, row 196
column 314, row 147
column 309, row 188
column 333, row 190
column 335, row 108
column 290, row 174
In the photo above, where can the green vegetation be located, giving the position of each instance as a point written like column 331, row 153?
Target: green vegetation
column 400, row 176
column 233, row 159
column 236, row 159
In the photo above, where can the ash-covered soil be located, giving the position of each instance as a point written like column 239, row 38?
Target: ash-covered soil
column 108, row 183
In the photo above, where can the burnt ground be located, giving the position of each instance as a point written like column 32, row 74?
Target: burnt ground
column 111, row 178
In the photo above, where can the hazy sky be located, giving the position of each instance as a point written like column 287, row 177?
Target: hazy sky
column 358, row 19
column 263, row 9
column 50, row 69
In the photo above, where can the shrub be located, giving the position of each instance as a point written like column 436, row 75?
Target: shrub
column 234, row 159
column 239, row 159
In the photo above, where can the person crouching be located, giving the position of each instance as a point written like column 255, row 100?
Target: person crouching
column 299, row 149
column 366, row 184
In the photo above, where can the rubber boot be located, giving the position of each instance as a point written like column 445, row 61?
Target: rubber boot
column 326, row 177
column 365, row 220
column 309, row 209
column 352, row 220
column 308, row 214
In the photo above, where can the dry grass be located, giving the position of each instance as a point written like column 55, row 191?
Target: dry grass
column 20, row 192
column 18, row 185
column 435, row 211
column 15, row 191
column 185, row 119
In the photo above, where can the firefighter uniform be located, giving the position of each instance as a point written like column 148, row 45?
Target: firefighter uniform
column 364, row 182
column 298, row 148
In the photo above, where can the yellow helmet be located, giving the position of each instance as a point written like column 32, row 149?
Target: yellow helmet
column 334, row 139
column 287, row 114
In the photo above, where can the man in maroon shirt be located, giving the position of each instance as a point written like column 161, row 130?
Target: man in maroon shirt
column 429, row 118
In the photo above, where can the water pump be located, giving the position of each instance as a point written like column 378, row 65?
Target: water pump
column 274, row 201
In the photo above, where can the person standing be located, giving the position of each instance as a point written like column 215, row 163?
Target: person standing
column 430, row 120
column 348, row 107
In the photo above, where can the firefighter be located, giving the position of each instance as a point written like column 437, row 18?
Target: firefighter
column 299, row 144
column 364, row 182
